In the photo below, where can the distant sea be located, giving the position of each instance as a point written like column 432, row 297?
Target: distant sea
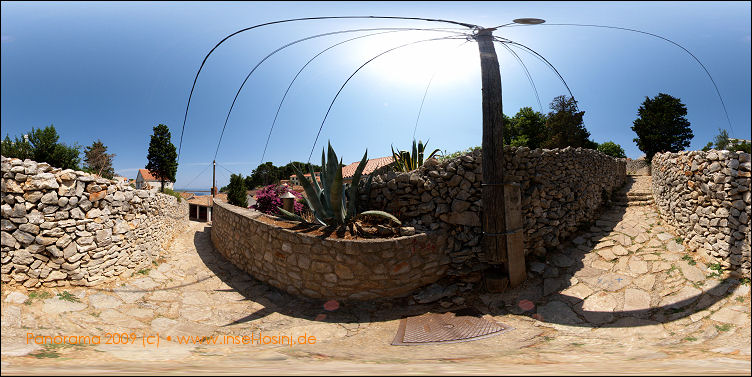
column 195, row 190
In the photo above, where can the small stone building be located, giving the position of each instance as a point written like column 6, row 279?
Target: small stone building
column 145, row 180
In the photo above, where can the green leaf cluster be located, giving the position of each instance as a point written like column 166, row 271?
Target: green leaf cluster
column 162, row 157
column 41, row 145
column 565, row 127
column 661, row 125
column 612, row 149
column 236, row 191
column 527, row 128
column 331, row 203
column 722, row 141
column 267, row 173
column 98, row 161
column 406, row 161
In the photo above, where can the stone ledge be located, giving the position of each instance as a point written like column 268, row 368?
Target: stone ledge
column 307, row 265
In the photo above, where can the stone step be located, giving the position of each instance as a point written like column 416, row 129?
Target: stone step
column 640, row 199
column 640, row 193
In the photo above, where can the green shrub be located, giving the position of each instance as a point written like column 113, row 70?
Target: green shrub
column 172, row 192
column 458, row 153
column 236, row 191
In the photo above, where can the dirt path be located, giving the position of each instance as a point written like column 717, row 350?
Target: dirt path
column 621, row 298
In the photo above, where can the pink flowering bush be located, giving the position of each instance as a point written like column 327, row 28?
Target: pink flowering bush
column 268, row 199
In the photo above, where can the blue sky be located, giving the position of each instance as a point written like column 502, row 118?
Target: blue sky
column 113, row 71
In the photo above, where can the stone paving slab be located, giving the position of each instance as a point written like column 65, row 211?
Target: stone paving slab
column 613, row 294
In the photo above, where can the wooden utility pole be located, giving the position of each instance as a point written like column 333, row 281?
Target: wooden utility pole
column 499, row 248
column 214, row 182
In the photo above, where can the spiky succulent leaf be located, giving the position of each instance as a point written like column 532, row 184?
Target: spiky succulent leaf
column 331, row 172
column 433, row 154
column 290, row 215
column 323, row 169
column 314, row 203
column 352, row 207
column 335, row 198
column 414, row 158
column 315, row 182
column 381, row 214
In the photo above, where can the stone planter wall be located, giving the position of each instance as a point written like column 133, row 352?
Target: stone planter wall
column 639, row 166
column 561, row 190
column 706, row 196
column 302, row 264
column 63, row 227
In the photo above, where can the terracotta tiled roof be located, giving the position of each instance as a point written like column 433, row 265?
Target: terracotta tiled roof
column 203, row 200
column 206, row 200
column 371, row 165
column 148, row 176
column 186, row 195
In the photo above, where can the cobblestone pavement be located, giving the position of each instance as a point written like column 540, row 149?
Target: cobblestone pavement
column 623, row 297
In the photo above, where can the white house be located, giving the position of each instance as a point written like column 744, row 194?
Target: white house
column 145, row 180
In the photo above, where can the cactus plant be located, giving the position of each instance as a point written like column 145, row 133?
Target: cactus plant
column 405, row 161
column 330, row 203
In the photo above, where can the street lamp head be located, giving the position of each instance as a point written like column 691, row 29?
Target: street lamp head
column 529, row 21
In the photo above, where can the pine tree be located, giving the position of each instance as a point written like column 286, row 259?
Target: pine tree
column 661, row 126
column 98, row 160
column 565, row 126
column 236, row 191
column 162, row 157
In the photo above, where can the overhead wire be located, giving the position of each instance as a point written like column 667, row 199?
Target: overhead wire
column 309, row 62
column 353, row 74
column 195, row 79
column 527, row 73
column 420, row 109
column 198, row 175
column 539, row 56
column 707, row 72
column 274, row 52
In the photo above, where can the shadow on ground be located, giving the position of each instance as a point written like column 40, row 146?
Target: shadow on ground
column 566, row 310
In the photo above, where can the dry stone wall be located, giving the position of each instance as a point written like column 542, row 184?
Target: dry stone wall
column 561, row 190
column 639, row 166
column 303, row 264
column 706, row 196
column 63, row 227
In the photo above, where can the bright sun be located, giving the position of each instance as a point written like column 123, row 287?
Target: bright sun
column 449, row 61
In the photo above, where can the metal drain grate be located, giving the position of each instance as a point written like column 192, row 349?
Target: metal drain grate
column 434, row 328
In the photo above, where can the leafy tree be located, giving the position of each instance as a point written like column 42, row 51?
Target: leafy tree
column 236, row 191
column 267, row 173
column 565, row 127
column 742, row 147
column 612, row 149
column 661, row 126
column 98, row 160
column 720, row 141
column 41, row 145
column 16, row 149
column 527, row 128
column 162, row 157
column 263, row 175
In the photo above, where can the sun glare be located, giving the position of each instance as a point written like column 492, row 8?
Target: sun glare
column 452, row 61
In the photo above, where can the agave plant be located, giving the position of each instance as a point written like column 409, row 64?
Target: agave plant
column 330, row 202
column 404, row 161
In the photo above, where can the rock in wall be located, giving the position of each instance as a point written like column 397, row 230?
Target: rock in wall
column 706, row 196
column 63, row 227
column 561, row 190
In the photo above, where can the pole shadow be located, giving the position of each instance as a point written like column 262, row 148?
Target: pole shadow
column 549, row 306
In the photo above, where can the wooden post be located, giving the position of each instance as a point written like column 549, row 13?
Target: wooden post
column 214, row 183
column 494, row 215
